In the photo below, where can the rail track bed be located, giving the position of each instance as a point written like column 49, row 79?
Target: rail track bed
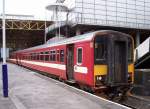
column 137, row 102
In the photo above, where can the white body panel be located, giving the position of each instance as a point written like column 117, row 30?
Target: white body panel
column 143, row 49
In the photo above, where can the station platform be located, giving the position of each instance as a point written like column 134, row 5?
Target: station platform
column 30, row 90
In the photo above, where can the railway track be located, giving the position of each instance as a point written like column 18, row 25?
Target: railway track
column 131, row 101
column 137, row 102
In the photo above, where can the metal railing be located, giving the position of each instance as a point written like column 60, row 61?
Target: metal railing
column 56, row 25
column 79, row 19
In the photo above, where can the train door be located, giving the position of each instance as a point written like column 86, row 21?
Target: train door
column 70, row 62
column 118, row 62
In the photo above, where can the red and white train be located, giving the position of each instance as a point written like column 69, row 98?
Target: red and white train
column 96, row 61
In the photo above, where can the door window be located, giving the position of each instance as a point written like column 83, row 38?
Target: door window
column 79, row 56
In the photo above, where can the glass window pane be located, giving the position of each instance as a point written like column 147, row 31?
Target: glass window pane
column 61, row 55
column 79, row 55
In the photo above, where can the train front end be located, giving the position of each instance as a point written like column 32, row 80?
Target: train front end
column 113, row 62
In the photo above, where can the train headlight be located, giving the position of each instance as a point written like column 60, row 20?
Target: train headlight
column 128, row 75
column 99, row 78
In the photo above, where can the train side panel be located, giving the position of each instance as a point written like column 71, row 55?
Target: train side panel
column 52, row 67
column 83, row 71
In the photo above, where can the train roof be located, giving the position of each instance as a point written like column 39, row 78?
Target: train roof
column 75, row 39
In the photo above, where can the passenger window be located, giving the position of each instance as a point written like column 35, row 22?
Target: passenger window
column 34, row 56
column 46, row 56
column 61, row 55
column 37, row 56
column 57, row 55
column 41, row 56
column 54, row 55
column 29, row 57
column 79, row 55
column 51, row 54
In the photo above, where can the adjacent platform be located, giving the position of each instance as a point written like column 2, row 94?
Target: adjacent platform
column 30, row 90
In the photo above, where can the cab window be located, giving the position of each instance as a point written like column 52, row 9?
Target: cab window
column 100, row 51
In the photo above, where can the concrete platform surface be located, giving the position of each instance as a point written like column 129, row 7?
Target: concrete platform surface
column 29, row 90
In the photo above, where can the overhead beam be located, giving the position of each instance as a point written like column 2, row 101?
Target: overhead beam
column 25, row 24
